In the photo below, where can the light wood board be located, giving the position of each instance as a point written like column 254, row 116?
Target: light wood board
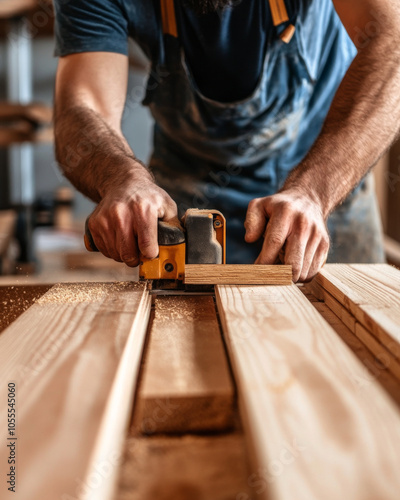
column 387, row 352
column 186, row 385
column 237, row 274
column 74, row 357
column 376, row 365
column 312, row 431
column 371, row 293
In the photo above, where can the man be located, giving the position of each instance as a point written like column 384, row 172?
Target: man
column 264, row 109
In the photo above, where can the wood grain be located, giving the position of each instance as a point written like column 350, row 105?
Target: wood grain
column 371, row 293
column 74, row 356
column 379, row 350
column 237, row 274
column 307, row 420
column 186, row 385
column 376, row 365
column 387, row 351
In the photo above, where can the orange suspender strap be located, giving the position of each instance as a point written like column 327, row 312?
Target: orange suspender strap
column 168, row 18
column 278, row 10
column 280, row 16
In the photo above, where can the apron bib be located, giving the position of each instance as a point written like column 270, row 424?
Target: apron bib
column 255, row 141
column 209, row 154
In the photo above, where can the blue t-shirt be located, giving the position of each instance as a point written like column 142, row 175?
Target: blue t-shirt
column 225, row 50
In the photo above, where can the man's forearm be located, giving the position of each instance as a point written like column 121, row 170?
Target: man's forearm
column 363, row 121
column 94, row 157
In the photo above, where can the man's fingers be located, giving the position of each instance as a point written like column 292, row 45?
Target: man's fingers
column 101, row 235
column 146, row 227
column 127, row 246
column 319, row 260
column 101, row 246
column 274, row 239
column 255, row 221
column 309, row 255
column 170, row 211
column 294, row 256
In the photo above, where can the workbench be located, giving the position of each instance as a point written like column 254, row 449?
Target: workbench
column 278, row 392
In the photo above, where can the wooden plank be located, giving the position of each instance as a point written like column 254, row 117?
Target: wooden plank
column 186, row 385
column 237, row 274
column 387, row 352
column 371, row 293
column 190, row 467
column 381, row 351
column 74, row 357
column 301, row 408
column 321, row 294
column 376, row 365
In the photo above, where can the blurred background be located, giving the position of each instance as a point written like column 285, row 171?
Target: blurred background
column 41, row 215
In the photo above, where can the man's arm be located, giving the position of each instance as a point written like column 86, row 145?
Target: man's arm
column 363, row 121
column 95, row 157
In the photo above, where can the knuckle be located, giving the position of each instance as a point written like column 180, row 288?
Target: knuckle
column 145, row 241
column 99, row 224
column 303, row 224
column 253, row 203
column 275, row 240
column 115, row 210
column 172, row 205
column 325, row 243
column 285, row 208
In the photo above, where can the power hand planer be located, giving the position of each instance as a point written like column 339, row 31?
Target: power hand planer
column 200, row 238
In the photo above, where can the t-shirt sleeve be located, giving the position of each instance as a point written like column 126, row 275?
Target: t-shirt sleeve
column 90, row 26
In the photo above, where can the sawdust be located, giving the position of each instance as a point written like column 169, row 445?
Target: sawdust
column 170, row 309
column 76, row 293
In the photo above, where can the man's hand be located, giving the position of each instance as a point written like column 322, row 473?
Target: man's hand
column 124, row 224
column 292, row 219
column 96, row 158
